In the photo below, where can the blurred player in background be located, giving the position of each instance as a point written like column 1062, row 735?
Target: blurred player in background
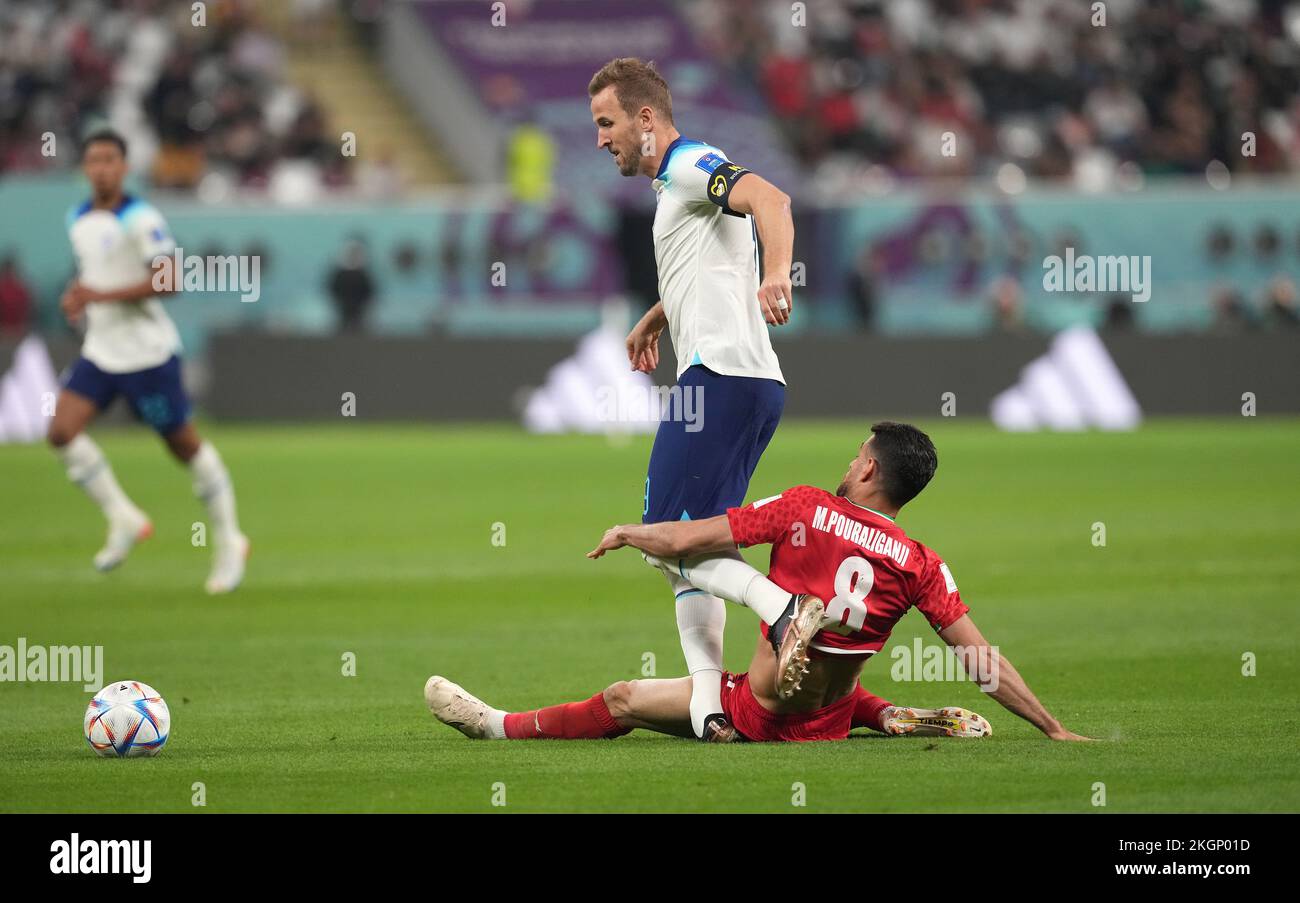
column 708, row 221
column 130, row 349
column 845, row 548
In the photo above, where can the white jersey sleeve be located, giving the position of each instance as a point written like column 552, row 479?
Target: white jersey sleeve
column 148, row 229
column 700, row 181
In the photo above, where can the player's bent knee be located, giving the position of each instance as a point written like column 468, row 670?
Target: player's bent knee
column 618, row 698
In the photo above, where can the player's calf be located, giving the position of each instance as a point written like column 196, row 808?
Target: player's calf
column 456, row 707
column 213, row 486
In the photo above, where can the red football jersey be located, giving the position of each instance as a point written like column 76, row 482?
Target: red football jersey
column 857, row 560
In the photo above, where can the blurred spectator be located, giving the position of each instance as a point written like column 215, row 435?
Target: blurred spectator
column 351, row 286
column 530, row 160
column 1280, row 303
column 1230, row 313
column 864, row 286
column 1008, row 305
column 1119, row 314
column 15, row 299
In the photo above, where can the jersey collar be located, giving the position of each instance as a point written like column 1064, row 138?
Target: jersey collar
column 117, row 211
column 663, row 164
column 872, row 510
column 679, row 141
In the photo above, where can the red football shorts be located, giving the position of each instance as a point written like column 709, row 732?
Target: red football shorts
column 756, row 723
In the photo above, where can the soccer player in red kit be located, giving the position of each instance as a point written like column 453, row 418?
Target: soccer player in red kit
column 844, row 548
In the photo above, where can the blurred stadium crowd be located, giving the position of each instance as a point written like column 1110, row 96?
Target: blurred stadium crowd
column 194, row 103
column 1166, row 86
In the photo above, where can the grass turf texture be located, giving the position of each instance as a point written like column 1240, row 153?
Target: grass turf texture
column 377, row 540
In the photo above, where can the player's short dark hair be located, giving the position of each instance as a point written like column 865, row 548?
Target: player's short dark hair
column 907, row 459
column 637, row 85
column 109, row 135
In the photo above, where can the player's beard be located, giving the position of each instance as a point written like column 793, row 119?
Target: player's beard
column 843, row 490
column 631, row 164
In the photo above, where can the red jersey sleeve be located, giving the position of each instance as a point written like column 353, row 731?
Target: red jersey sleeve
column 766, row 520
column 936, row 594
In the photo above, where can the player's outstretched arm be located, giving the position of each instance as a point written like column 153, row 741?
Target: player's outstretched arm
column 770, row 207
column 670, row 539
column 998, row 678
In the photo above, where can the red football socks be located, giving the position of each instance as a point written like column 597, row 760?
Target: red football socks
column 589, row 720
column 866, row 710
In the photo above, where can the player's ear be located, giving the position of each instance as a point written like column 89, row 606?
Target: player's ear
column 869, row 472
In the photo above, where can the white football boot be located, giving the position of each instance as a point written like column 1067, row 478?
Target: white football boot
column 125, row 529
column 456, row 707
column 949, row 721
column 228, row 565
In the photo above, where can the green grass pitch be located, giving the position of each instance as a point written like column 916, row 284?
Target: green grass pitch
column 378, row 541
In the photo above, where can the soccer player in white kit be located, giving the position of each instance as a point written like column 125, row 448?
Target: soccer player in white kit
column 710, row 214
column 122, row 246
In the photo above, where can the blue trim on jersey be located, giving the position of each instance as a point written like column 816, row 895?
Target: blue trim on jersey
column 125, row 205
column 76, row 213
column 679, row 141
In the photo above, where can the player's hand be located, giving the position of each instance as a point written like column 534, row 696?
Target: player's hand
column 643, row 347
column 776, row 298
column 613, row 539
column 1063, row 734
column 73, row 303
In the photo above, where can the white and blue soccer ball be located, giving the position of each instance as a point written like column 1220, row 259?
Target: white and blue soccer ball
column 127, row 719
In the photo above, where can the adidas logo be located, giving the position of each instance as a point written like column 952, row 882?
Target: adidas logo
column 1076, row 385
column 27, row 393
column 595, row 391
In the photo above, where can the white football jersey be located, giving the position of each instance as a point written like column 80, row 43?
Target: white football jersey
column 114, row 249
column 708, row 265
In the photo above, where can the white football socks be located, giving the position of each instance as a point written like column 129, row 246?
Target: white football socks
column 701, row 618
column 731, row 577
column 88, row 468
column 496, row 725
column 212, row 485
column 728, row 576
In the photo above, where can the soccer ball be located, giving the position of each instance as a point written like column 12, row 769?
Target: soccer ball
column 127, row 719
